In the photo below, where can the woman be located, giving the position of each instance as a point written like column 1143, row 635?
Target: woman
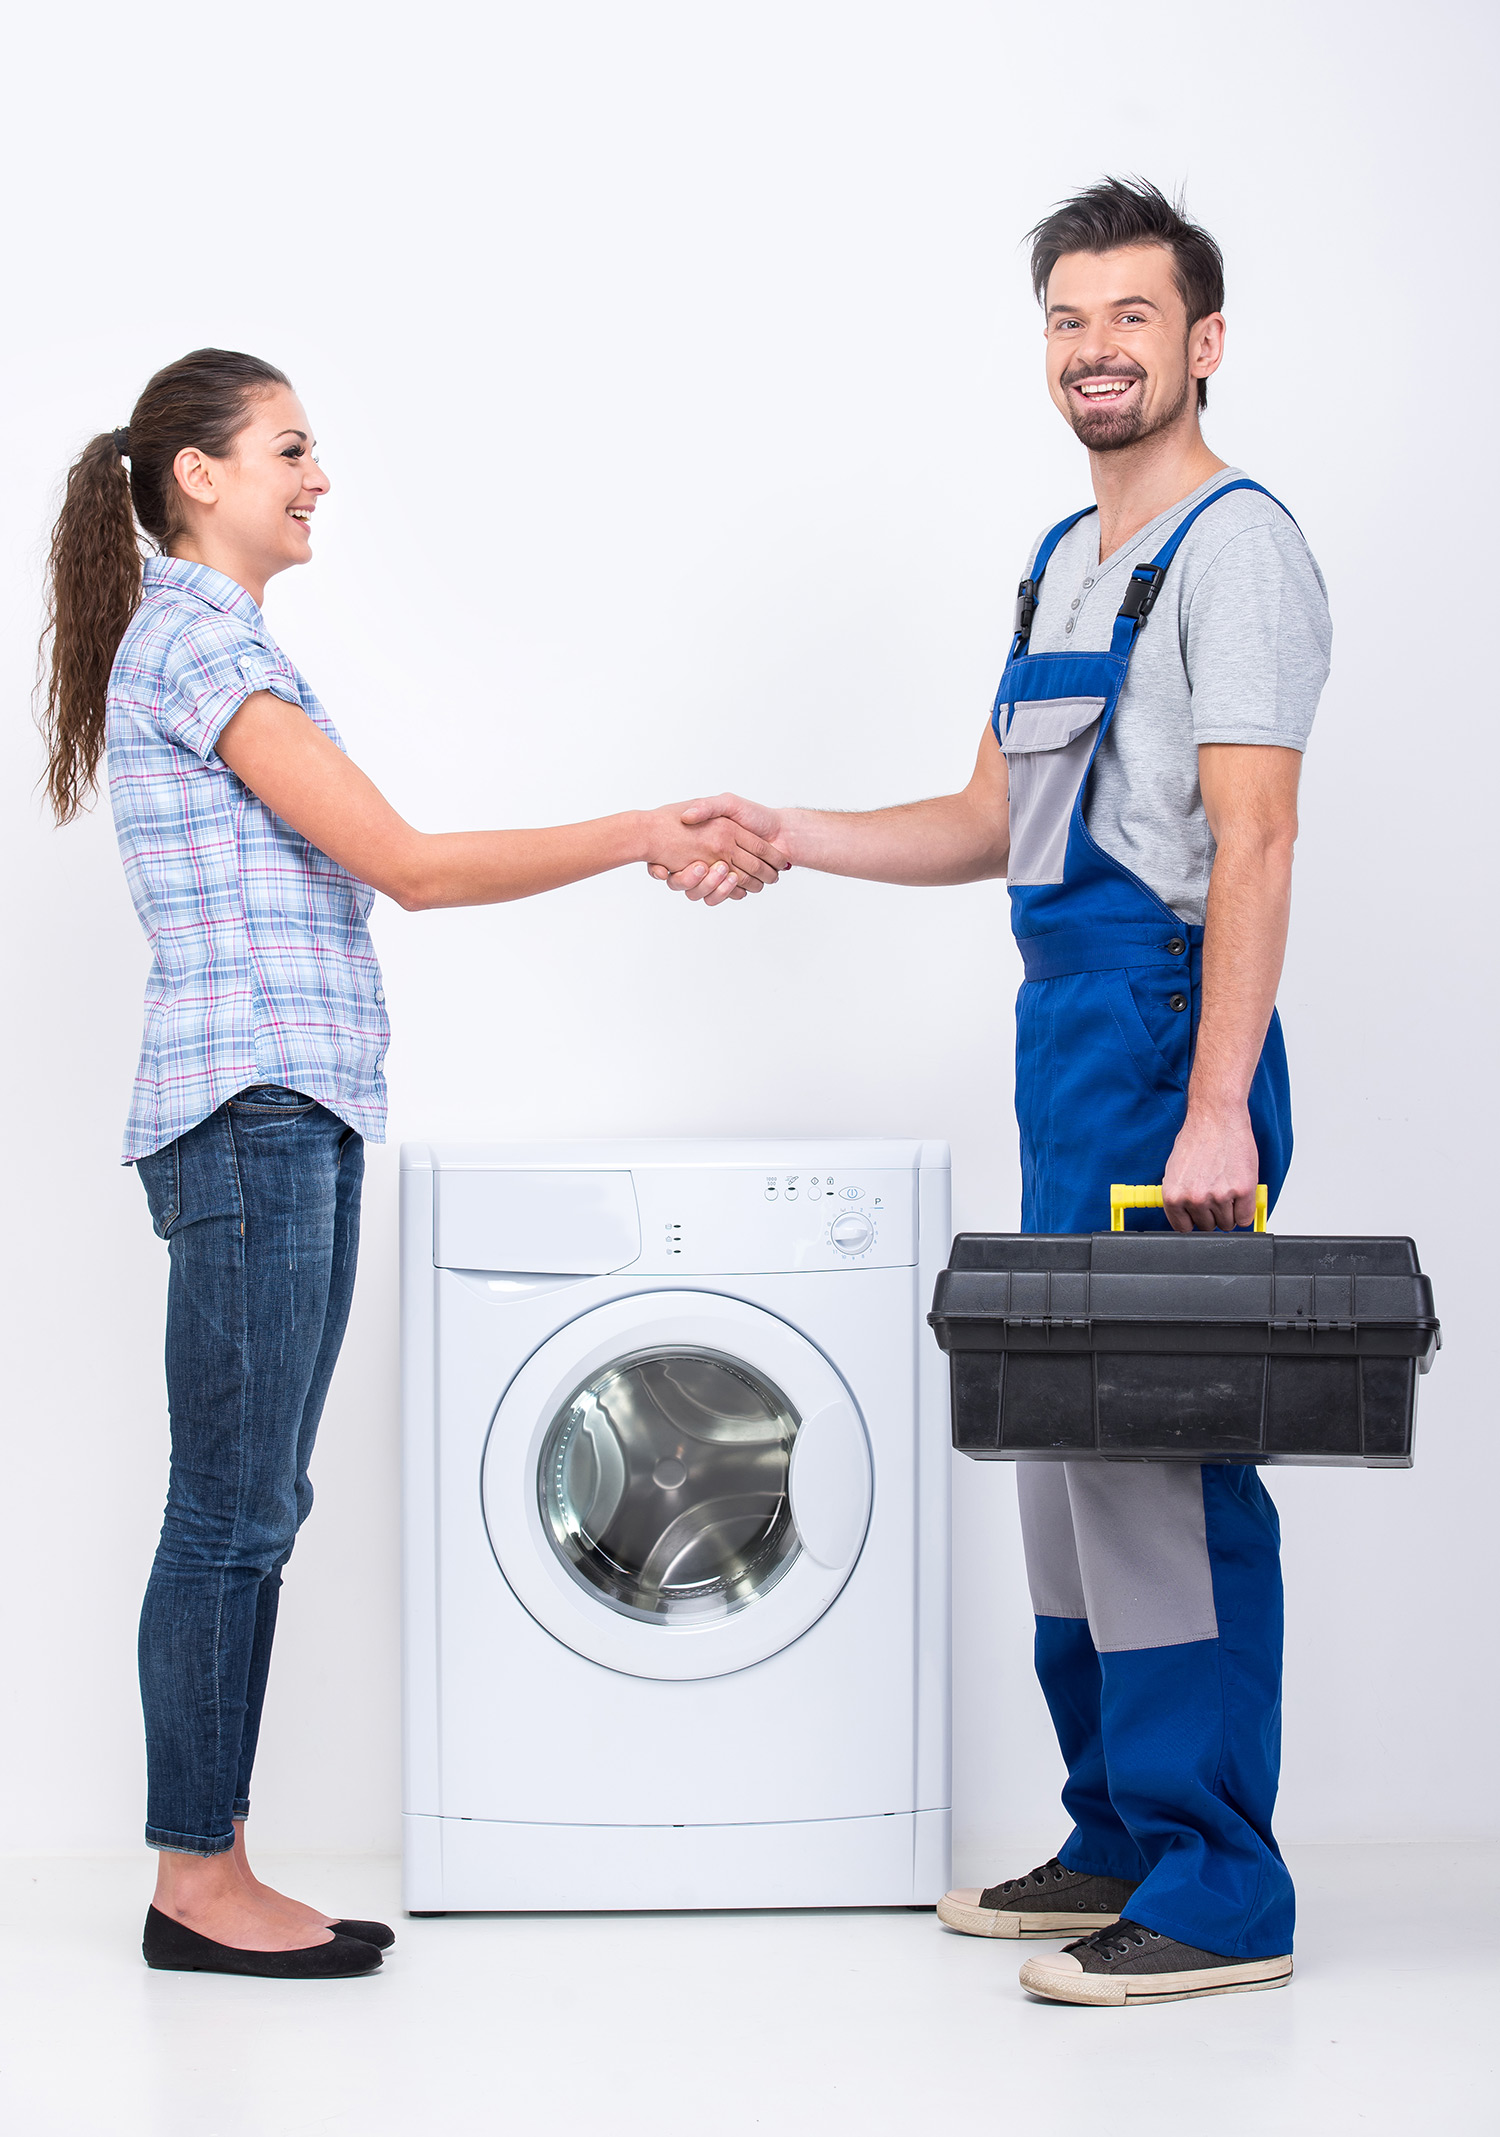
column 253, row 847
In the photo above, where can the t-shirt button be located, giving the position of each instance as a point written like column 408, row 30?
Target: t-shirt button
column 1087, row 584
column 1068, row 625
column 1075, row 604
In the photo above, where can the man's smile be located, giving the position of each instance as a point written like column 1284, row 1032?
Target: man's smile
column 1103, row 387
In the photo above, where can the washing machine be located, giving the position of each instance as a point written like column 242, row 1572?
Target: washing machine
column 676, row 1525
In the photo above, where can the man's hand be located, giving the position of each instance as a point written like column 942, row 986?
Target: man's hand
column 1213, row 1172
column 713, row 882
column 714, row 855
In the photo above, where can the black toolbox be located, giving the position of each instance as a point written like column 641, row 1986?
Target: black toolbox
column 1199, row 1347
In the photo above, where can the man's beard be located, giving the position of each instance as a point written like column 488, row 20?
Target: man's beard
column 1108, row 429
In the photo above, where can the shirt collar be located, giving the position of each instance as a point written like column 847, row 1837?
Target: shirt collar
column 206, row 585
column 1162, row 521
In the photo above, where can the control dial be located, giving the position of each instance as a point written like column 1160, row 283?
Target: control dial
column 852, row 1233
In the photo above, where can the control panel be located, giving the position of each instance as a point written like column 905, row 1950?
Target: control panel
column 852, row 1212
column 536, row 1210
column 718, row 1220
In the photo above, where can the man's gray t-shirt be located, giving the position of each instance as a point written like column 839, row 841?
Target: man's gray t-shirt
column 1235, row 650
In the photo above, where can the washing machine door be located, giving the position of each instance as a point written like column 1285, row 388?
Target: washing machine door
column 677, row 1485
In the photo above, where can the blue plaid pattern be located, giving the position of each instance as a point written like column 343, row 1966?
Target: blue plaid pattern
column 262, row 968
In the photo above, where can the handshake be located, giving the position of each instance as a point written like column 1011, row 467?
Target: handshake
column 719, row 849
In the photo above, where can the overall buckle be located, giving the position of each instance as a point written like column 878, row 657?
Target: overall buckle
column 1025, row 608
column 1140, row 594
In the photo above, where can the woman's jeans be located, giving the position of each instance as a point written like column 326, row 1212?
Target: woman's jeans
column 259, row 1205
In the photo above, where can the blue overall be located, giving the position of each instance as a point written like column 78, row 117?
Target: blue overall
column 1157, row 1586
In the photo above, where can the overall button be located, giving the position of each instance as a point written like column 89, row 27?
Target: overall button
column 1177, row 1001
column 1176, row 946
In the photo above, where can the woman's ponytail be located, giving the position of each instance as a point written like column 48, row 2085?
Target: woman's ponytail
column 94, row 570
column 93, row 587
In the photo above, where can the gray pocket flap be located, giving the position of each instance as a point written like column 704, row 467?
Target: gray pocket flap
column 1049, row 723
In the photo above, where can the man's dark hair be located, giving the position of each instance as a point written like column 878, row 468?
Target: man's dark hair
column 1132, row 211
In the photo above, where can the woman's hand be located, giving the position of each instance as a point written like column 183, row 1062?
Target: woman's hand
column 719, row 858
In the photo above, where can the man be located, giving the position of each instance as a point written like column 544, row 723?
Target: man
column 1138, row 785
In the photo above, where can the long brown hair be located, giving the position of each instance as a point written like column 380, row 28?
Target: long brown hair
column 94, row 568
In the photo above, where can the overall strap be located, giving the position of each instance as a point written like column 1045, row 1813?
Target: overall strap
column 1145, row 581
column 1026, row 592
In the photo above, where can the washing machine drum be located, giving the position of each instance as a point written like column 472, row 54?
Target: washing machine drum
column 663, row 1483
column 677, row 1485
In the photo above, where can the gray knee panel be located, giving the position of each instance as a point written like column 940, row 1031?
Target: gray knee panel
column 1047, row 1537
column 1142, row 1552
column 1122, row 1544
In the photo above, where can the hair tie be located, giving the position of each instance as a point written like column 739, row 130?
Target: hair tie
column 120, row 440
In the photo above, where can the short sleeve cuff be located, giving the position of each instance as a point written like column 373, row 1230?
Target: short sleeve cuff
column 1256, row 737
column 250, row 671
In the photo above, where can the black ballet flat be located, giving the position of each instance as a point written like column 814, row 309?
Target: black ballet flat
column 374, row 1933
column 175, row 1949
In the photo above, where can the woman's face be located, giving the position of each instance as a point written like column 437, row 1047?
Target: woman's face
column 255, row 507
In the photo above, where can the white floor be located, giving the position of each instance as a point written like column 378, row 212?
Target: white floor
column 732, row 2023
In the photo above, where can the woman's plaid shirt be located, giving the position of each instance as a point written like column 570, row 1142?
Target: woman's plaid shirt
column 262, row 968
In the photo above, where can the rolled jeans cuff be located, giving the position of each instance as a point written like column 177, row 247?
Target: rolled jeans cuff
column 186, row 1843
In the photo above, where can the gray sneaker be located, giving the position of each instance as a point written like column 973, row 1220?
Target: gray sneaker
column 1131, row 1964
column 1047, row 1902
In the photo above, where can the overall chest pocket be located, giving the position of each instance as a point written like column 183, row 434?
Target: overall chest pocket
column 1047, row 744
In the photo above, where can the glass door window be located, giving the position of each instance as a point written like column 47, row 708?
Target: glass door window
column 663, row 1484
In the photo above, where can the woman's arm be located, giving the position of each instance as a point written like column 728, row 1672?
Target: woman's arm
column 310, row 784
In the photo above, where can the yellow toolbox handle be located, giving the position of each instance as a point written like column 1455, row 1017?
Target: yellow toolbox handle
column 1124, row 1198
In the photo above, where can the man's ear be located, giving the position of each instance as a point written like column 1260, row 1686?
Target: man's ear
column 1206, row 345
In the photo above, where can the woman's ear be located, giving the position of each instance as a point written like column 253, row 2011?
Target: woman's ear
column 195, row 476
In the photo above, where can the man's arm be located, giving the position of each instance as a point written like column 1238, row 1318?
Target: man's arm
column 954, row 838
column 1250, row 797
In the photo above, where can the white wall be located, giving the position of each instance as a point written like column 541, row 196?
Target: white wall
column 677, row 375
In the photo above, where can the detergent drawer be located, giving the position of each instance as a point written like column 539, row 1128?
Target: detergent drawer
column 1199, row 1347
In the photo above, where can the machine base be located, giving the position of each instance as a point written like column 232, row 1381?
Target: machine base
column 482, row 1865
